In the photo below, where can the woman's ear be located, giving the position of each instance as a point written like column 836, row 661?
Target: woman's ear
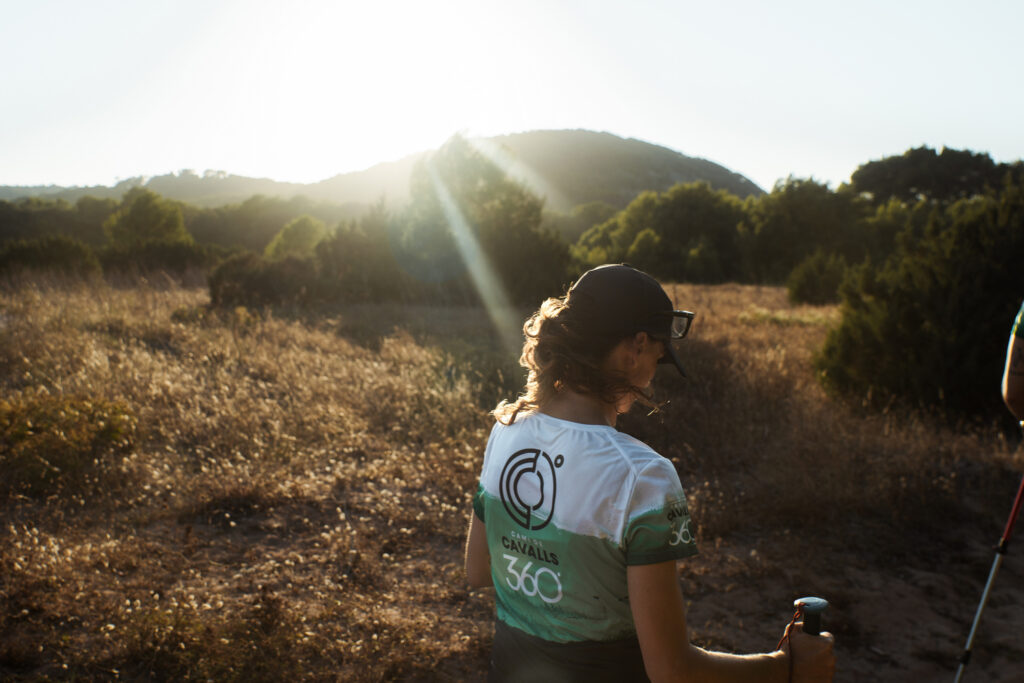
column 638, row 345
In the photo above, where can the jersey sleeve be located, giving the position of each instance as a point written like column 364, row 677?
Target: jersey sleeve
column 478, row 496
column 478, row 502
column 658, row 527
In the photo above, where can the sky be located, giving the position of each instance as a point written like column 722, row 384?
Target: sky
column 91, row 93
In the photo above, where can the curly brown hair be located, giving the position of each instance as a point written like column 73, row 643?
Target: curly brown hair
column 559, row 356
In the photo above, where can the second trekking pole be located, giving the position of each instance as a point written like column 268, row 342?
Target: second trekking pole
column 1000, row 553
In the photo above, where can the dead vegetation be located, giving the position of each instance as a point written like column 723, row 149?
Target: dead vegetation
column 192, row 494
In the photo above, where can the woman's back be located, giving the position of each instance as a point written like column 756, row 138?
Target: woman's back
column 577, row 526
column 567, row 507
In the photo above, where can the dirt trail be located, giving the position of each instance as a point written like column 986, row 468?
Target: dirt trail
column 901, row 614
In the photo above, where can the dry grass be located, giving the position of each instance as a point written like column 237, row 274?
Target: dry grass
column 753, row 426
column 290, row 499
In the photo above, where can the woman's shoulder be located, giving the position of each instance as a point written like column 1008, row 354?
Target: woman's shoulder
column 540, row 420
column 602, row 443
column 636, row 450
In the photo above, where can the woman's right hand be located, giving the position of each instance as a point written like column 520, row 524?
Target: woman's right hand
column 812, row 657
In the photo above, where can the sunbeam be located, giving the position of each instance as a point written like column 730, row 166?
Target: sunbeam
column 519, row 171
column 487, row 284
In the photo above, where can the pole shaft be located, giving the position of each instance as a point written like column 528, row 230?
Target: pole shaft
column 1013, row 514
column 1000, row 553
column 965, row 657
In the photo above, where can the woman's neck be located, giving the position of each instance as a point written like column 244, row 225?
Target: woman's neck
column 575, row 407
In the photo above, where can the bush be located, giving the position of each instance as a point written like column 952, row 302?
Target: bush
column 176, row 258
column 356, row 262
column 686, row 233
column 249, row 280
column 799, row 217
column 471, row 234
column 51, row 444
column 298, row 239
column 145, row 217
column 929, row 328
column 816, row 279
column 53, row 254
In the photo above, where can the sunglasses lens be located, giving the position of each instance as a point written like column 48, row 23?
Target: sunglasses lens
column 680, row 326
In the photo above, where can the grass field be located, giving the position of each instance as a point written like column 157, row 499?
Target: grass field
column 229, row 495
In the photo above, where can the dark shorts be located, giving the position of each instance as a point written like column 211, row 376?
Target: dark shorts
column 519, row 657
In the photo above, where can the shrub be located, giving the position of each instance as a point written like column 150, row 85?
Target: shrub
column 356, row 262
column 55, row 254
column 175, row 258
column 249, row 280
column 145, row 217
column 687, row 233
column 297, row 239
column 798, row 217
column 50, row 444
column 816, row 279
column 929, row 328
column 228, row 282
column 471, row 233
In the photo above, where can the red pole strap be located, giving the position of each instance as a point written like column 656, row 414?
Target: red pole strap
column 1013, row 517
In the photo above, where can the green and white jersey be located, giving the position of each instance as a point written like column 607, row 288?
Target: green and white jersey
column 568, row 507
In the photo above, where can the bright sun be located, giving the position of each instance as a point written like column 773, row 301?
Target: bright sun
column 320, row 88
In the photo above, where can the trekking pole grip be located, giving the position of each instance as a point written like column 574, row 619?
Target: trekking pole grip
column 812, row 609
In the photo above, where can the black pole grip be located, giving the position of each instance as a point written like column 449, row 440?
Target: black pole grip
column 812, row 609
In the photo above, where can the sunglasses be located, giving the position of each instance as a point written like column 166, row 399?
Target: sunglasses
column 681, row 321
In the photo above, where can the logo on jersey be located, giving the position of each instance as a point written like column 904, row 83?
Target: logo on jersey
column 682, row 534
column 528, row 487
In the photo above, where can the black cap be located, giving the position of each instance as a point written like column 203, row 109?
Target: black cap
column 617, row 300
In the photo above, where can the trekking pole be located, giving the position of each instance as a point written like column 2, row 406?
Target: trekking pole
column 812, row 609
column 1000, row 553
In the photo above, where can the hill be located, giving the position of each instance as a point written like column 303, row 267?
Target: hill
column 583, row 166
column 568, row 167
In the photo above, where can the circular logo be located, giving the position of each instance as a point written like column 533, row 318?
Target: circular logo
column 528, row 487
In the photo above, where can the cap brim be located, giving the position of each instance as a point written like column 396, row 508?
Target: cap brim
column 671, row 357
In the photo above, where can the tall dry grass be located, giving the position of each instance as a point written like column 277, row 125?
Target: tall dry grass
column 287, row 494
column 752, row 426
column 288, row 497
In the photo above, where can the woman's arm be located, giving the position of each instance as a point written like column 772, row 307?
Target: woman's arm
column 660, row 618
column 478, row 558
column 1013, row 377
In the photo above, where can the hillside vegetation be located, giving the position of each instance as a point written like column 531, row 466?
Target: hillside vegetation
column 194, row 493
column 921, row 250
column 572, row 167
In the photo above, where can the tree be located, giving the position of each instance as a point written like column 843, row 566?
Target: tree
column 356, row 262
column 700, row 234
column 583, row 217
column 922, row 173
column 928, row 327
column 297, row 239
column 646, row 249
column 799, row 217
column 256, row 221
column 465, row 213
column 686, row 233
column 144, row 217
column 90, row 215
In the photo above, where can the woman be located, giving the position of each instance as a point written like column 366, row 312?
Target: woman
column 1013, row 372
column 577, row 526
